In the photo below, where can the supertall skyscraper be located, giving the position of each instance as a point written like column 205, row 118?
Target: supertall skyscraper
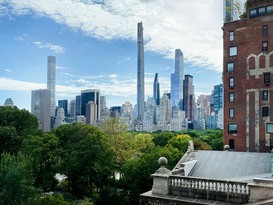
column 177, row 79
column 51, row 82
column 156, row 93
column 140, row 72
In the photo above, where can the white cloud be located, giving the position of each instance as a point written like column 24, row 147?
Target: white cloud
column 53, row 47
column 193, row 26
column 9, row 84
column 8, row 70
column 60, row 68
column 112, row 76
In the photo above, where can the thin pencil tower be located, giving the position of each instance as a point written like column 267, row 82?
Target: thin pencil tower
column 140, row 72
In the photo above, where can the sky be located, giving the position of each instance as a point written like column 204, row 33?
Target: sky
column 94, row 42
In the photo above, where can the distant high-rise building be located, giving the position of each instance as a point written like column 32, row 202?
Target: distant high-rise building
column 102, row 103
column 156, row 93
column 72, row 108
column 64, row 105
column 86, row 97
column 59, row 117
column 231, row 10
column 188, row 97
column 9, row 103
column 115, row 111
column 78, row 105
column 217, row 98
column 40, row 107
column 51, row 82
column 140, row 72
column 177, row 79
column 91, row 113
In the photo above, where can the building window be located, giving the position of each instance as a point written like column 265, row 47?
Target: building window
column 261, row 11
column 231, row 97
column 230, row 67
column 269, row 128
column 265, row 95
column 231, row 144
column 265, row 30
column 231, row 112
column 265, row 111
column 231, row 36
column 231, row 82
column 233, row 51
column 253, row 13
column 232, row 128
column 270, row 9
column 267, row 78
column 265, row 46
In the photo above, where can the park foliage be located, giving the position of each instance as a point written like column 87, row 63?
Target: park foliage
column 101, row 165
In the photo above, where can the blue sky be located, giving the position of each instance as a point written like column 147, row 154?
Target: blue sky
column 94, row 42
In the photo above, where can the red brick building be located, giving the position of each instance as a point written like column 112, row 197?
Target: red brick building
column 248, row 79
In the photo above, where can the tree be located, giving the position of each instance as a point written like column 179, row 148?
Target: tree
column 162, row 138
column 86, row 159
column 180, row 142
column 55, row 199
column 43, row 149
column 16, row 180
column 22, row 120
column 137, row 171
column 15, row 125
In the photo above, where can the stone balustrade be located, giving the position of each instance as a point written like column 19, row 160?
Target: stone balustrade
column 221, row 190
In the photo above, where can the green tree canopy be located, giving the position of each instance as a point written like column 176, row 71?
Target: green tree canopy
column 15, row 125
column 44, row 151
column 16, row 180
column 86, row 158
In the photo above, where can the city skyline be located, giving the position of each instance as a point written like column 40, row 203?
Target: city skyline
column 102, row 53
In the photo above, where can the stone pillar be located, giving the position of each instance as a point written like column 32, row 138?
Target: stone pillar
column 161, row 178
column 261, row 189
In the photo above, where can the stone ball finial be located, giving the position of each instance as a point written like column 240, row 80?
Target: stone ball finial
column 226, row 147
column 162, row 161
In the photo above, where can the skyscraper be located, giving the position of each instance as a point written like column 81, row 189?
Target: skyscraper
column 73, row 108
column 64, row 105
column 247, row 74
column 91, row 113
column 40, row 107
column 88, row 96
column 231, row 10
column 140, row 72
column 188, row 97
column 156, row 93
column 177, row 79
column 78, row 105
column 217, row 98
column 51, row 82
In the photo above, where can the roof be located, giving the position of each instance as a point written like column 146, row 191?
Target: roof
column 227, row 165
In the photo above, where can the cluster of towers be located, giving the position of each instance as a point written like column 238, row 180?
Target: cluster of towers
column 172, row 111
column 176, row 110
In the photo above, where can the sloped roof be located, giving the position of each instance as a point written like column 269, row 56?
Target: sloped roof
column 227, row 165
